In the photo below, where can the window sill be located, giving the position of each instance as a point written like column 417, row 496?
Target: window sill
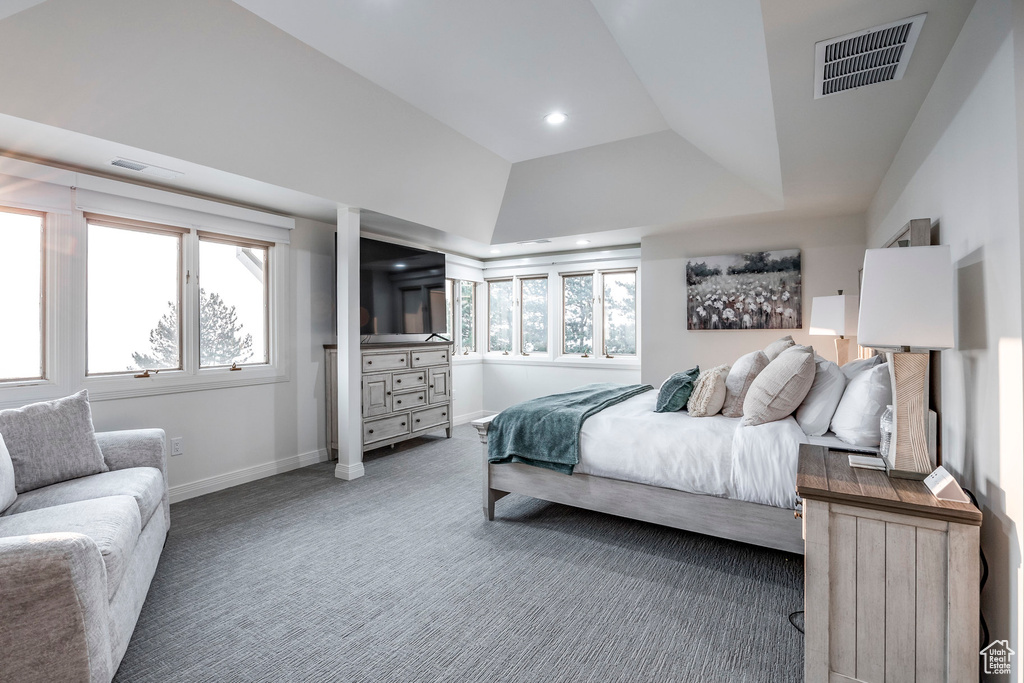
column 565, row 361
column 178, row 382
column 467, row 359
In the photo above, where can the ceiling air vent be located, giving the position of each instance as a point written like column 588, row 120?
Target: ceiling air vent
column 535, row 242
column 870, row 56
column 148, row 169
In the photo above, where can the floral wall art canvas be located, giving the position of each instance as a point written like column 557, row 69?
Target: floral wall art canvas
column 755, row 291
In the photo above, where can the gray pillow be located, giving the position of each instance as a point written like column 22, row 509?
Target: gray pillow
column 778, row 346
column 7, row 492
column 777, row 391
column 855, row 367
column 675, row 392
column 51, row 441
column 743, row 372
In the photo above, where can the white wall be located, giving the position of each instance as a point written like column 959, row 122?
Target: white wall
column 506, row 383
column 959, row 166
column 211, row 83
column 832, row 251
column 467, row 390
column 240, row 434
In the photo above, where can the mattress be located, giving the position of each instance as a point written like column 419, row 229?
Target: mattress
column 713, row 456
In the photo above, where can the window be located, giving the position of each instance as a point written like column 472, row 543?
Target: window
column 578, row 314
column 499, row 316
column 234, row 315
column 533, row 315
column 22, row 242
column 599, row 312
column 619, row 314
column 449, row 309
column 467, row 316
column 133, row 296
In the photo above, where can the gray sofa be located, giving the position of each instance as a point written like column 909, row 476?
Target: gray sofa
column 76, row 561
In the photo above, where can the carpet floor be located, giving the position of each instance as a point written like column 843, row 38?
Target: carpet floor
column 397, row 577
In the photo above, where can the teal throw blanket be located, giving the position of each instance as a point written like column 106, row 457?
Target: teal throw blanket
column 546, row 431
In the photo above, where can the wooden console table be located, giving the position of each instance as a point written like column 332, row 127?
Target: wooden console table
column 891, row 576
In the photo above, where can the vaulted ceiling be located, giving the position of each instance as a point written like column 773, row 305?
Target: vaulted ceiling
column 680, row 111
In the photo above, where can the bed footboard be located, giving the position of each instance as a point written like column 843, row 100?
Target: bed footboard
column 490, row 495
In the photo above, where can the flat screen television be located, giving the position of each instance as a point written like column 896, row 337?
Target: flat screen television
column 401, row 289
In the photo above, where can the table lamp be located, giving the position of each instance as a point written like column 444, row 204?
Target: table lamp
column 835, row 316
column 906, row 308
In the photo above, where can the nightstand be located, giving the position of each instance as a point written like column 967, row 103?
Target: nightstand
column 891, row 576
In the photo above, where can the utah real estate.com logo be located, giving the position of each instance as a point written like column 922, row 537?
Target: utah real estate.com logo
column 998, row 657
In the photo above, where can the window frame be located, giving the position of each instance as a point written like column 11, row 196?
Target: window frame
column 604, row 318
column 518, row 287
column 593, row 314
column 44, row 299
column 457, row 301
column 117, row 223
column 487, row 322
column 598, row 319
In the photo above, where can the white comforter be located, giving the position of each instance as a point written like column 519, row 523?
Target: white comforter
column 708, row 455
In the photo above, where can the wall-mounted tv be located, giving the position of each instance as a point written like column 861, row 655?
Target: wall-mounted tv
column 401, row 289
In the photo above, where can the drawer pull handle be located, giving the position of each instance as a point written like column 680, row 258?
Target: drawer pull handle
column 403, row 424
column 399, row 381
column 399, row 401
column 417, row 419
column 402, row 360
column 371, row 431
column 369, row 362
column 443, row 414
column 389, row 393
column 419, row 378
column 417, row 357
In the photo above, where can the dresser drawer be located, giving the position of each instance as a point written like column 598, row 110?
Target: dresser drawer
column 431, row 417
column 410, row 400
column 410, row 380
column 430, row 357
column 385, row 427
column 379, row 362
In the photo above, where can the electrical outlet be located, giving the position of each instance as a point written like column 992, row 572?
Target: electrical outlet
column 177, row 445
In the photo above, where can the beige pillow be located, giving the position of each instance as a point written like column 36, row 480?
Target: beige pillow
column 780, row 388
column 778, row 346
column 708, row 393
column 738, row 382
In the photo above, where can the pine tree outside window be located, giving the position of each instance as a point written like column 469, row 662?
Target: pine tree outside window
column 233, row 302
column 578, row 314
column 533, row 315
column 499, row 316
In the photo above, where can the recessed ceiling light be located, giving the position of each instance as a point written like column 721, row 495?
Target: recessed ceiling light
column 582, row 242
column 495, row 251
column 399, row 265
column 556, row 117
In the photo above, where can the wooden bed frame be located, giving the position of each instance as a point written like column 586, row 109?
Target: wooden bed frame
column 737, row 520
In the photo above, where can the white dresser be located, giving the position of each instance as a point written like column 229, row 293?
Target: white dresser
column 406, row 391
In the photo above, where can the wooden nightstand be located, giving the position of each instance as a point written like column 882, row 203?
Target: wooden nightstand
column 891, row 576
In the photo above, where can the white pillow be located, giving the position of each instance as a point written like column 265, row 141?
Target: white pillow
column 778, row 346
column 742, row 374
column 857, row 418
column 7, row 492
column 856, row 366
column 815, row 414
column 708, row 393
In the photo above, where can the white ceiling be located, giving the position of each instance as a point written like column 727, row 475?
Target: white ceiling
column 682, row 112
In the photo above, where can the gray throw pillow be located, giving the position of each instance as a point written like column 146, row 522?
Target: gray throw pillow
column 778, row 346
column 8, row 494
column 675, row 392
column 51, row 441
column 741, row 375
column 780, row 388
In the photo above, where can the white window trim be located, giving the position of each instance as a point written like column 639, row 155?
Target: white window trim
column 460, row 356
column 65, row 296
column 554, row 269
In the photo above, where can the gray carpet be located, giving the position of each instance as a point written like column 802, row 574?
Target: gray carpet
column 397, row 577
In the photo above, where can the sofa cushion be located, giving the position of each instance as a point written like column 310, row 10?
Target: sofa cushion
column 113, row 523
column 51, row 441
column 144, row 484
column 8, row 494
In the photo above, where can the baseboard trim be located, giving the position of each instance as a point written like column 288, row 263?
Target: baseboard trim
column 349, row 472
column 227, row 480
column 469, row 417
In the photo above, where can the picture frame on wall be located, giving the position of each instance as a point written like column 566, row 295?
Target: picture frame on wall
column 759, row 290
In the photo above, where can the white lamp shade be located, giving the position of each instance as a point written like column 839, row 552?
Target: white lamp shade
column 907, row 298
column 834, row 315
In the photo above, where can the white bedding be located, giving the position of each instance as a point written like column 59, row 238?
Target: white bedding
column 708, row 455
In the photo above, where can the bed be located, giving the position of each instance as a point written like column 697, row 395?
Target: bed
column 708, row 475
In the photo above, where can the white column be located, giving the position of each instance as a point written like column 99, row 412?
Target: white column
column 350, row 443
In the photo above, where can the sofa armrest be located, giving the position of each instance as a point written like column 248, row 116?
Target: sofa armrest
column 54, row 615
column 137, row 448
